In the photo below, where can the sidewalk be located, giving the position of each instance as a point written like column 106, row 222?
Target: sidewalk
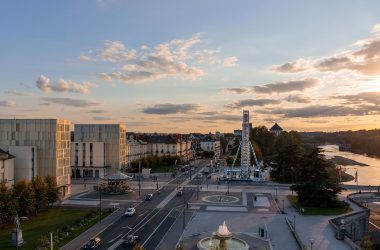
column 314, row 228
column 96, row 229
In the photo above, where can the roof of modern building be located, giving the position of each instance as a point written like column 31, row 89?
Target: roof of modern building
column 4, row 155
column 276, row 127
column 168, row 139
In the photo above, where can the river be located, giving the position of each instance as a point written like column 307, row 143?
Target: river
column 367, row 175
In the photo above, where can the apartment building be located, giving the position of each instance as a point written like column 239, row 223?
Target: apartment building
column 51, row 139
column 172, row 145
column 211, row 145
column 136, row 149
column 88, row 160
column 114, row 138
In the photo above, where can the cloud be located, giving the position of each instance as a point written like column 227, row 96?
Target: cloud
column 169, row 108
column 363, row 58
column 251, row 102
column 324, row 111
column 70, row 102
column 6, row 104
column 297, row 99
column 101, row 118
column 96, row 111
column 17, row 93
column 286, row 86
column 175, row 58
column 62, row 85
column 236, row 90
column 292, row 67
column 361, row 98
column 116, row 51
column 86, row 58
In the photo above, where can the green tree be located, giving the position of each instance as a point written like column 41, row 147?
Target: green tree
column 40, row 189
column 52, row 189
column 8, row 204
column 317, row 181
column 287, row 139
column 264, row 139
column 287, row 164
column 25, row 196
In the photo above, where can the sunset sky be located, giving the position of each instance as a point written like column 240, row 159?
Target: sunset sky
column 192, row 66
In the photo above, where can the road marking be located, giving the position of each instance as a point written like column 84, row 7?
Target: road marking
column 127, row 227
column 115, row 238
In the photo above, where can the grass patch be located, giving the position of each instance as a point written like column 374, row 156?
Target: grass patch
column 318, row 210
column 163, row 169
column 45, row 223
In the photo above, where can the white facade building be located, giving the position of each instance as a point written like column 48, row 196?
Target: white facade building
column 88, row 160
column 6, row 168
column 112, row 135
column 51, row 138
column 211, row 145
column 161, row 145
column 136, row 149
column 25, row 162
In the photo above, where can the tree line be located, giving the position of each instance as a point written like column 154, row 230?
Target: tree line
column 154, row 161
column 361, row 141
column 27, row 197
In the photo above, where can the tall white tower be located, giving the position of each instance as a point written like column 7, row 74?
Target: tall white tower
column 245, row 146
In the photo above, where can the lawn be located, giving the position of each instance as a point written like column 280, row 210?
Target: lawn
column 45, row 223
column 163, row 169
column 317, row 210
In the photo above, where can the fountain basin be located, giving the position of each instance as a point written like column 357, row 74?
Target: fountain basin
column 232, row 244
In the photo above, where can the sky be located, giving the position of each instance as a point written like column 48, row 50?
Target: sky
column 192, row 66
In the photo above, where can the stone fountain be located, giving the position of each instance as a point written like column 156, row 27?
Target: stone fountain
column 222, row 239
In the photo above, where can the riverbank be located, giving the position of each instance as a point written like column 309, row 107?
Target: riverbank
column 340, row 160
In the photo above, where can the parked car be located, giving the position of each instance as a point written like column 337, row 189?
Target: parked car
column 92, row 244
column 148, row 197
column 131, row 240
column 179, row 193
column 199, row 176
column 130, row 212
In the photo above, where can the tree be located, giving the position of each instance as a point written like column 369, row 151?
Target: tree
column 25, row 196
column 40, row 189
column 317, row 181
column 264, row 139
column 287, row 139
column 8, row 205
column 287, row 164
column 52, row 189
column 138, row 247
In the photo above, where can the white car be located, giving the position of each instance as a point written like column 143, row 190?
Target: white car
column 130, row 211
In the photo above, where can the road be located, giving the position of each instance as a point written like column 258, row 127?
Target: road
column 151, row 222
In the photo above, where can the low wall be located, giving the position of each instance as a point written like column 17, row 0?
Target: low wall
column 296, row 236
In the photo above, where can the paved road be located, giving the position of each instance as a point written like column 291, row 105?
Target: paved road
column 149, row 223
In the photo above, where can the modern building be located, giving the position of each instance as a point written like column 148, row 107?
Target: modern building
column 114, row 138
column 6, row 168
column 88, row 160
column 238, row 132
column 25, row 161
column 51, row 139
column 276, row 129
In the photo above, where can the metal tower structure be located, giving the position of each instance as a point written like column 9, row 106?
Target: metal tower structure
column 245, row 147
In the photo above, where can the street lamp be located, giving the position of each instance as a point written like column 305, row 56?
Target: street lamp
column 311, row 244
column 198, row 190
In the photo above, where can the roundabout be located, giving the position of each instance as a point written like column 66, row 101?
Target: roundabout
column 220, row 199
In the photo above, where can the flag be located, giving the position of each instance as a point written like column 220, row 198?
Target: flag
column 356, row 176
